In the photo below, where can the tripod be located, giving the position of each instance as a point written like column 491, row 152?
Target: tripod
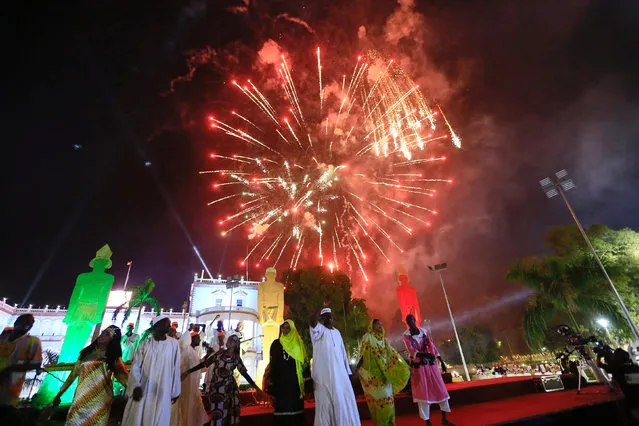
column 581, row 371
column 584, row 365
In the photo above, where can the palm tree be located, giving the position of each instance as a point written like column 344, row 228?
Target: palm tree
column 141, row 295
column 50, row 357
column 565, row 288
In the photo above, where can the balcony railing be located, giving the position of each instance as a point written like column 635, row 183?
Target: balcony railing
column 15, row 310
column 225, row 309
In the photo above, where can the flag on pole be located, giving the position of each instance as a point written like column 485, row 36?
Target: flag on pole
column 129, row 263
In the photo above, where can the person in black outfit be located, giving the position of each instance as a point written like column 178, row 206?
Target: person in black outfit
column 289, row 376
column 625, row 375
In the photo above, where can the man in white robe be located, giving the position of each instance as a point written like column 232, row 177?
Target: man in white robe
column 335, row 403
column 154, row 379
column 189, row 409
column 196, row 328
column 128, row 343
column 210, row 334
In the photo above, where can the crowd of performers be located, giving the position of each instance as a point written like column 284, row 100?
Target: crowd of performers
column 163, row 384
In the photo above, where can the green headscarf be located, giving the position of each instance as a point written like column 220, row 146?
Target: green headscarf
column 294, row 346
column 382, row 362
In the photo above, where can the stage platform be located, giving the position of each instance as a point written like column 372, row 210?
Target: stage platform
column 503, row 401
column 595, row 405
column 462, row 393
column 506, row 401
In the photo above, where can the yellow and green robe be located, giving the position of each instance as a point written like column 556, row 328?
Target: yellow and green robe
column 383, row 373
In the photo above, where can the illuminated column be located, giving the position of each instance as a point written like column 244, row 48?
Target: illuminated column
column 270, row 308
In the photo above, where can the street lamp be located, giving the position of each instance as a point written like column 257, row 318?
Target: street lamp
column 604, row 323
column 438, row 268
column 552, row 188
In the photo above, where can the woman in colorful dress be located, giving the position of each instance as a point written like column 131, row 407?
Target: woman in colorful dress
column 224, row 394
column 95, row 368
column 382, row 372
column 288, row 373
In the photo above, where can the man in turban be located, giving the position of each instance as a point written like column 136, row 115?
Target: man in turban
column 154, row 380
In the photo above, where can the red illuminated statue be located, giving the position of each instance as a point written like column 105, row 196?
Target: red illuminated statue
column 407, row 296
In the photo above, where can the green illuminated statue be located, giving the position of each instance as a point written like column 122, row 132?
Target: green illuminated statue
column 85, row 311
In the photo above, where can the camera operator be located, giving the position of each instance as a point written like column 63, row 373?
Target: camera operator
column 604, row 354
column 625, row 377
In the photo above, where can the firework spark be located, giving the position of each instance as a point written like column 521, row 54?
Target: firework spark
column 354, row 167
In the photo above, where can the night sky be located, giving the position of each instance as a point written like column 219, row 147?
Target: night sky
column 531, row 88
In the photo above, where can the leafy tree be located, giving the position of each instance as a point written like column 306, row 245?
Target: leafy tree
column 478, row 343
column 566, row 240
column 305, row 292
column 50, row 357
column 570, row 287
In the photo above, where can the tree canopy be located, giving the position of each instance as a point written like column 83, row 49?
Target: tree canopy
column 571, row 288
column 478, row 343
column 305, row 292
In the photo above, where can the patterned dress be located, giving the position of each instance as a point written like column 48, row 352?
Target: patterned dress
column 93, row 397
column 224, row 394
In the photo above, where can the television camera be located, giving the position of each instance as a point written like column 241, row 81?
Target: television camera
column 579, row 344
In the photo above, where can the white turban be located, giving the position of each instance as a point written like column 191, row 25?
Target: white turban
column 159, row 318
column 325, row 311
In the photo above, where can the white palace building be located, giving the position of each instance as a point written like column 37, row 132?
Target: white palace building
column 233, row 301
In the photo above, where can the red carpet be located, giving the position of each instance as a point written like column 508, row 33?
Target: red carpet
column 252, row 410
column 494, row 412
column 503, row 408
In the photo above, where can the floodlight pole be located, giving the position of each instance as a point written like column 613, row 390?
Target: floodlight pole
column 126, row 280
column 438, row 269
column 622, row 305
